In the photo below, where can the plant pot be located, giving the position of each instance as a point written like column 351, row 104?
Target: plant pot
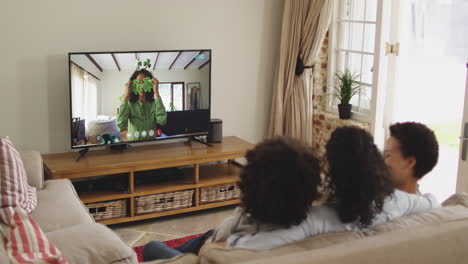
column 345, row 111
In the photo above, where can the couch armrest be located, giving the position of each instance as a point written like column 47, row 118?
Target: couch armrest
column 460, row 198
column 92, row 244
column 34, row 168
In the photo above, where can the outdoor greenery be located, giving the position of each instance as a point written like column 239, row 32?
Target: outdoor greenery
column 447, row 133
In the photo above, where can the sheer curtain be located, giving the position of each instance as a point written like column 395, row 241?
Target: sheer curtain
column 305, row 24
column 84, row 94
column 77, row 87
column 90, row 97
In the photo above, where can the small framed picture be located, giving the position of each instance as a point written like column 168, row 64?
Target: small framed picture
column 194, row 96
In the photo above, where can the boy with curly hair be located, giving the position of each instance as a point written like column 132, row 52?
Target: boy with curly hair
column 410, row 153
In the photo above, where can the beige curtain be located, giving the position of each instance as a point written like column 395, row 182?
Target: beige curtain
column 305, row 24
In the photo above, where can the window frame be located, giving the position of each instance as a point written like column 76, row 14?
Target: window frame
column 335, row 34
column 172, row 92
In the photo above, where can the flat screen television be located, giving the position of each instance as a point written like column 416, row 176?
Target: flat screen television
column 138, row 96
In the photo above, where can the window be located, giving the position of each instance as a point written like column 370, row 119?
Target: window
column 84, row 94
column 352, row 47
column 172, row 95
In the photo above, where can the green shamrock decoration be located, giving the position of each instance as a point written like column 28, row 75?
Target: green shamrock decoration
column 138, row 64
column 146, row 64
column 146, row 86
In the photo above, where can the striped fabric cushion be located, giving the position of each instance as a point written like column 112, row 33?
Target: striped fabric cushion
column 24, row 240
column 14, row 187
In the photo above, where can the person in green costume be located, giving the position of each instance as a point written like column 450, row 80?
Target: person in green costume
column 139, row 114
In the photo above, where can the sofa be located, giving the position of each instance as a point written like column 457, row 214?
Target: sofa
column 436, row 236
column 66, row 222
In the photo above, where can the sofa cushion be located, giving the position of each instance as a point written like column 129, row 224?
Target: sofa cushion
column 25, row 242
column 435, row 216
column 59, row 206
column 455, row 208
column 181, row 259
column 34, row 167
column 14, row 188
column 445, row 243
column 92, row 243
column 215, row 254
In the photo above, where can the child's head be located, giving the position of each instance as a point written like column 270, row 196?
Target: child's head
column 410, row 152
column 280, row 181
column 358, row 178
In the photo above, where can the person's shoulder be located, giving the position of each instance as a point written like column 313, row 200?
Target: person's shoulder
column 398, row 199
column 324, row 218
column 427, row 200
column 432, row 198
column 324, row 212
column 157, row 100
column 323, row 209
column 401, row 194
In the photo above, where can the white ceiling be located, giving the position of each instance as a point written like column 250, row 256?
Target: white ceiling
column 127, row 61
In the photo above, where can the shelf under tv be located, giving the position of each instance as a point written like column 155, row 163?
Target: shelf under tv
column 202, row 167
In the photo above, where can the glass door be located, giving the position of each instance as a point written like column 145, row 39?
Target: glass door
column 462, row 179
column 426, row 78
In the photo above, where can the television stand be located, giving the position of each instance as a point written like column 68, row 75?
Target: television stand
column 208, row 173
column 194, row 138
column 82, row 153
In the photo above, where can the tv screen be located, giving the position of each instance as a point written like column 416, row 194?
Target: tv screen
column 127, row 97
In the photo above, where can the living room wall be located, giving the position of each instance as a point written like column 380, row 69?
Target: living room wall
column 37, row 35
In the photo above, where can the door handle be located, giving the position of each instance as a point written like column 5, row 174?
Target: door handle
column 464, row 142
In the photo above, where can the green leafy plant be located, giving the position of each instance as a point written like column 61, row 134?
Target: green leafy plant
column 172, row 106
column 345, row 87
column 146, row 85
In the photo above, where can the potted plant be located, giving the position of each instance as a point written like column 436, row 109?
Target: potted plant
column 345, row 87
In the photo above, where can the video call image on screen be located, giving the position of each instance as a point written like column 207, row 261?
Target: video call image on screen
column 138, row 96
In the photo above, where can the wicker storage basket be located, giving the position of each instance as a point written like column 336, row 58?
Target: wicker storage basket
column 163, row 202
column 222, row 192
column 107, row 210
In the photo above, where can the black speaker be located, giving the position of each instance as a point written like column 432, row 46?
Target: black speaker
column 215, row 132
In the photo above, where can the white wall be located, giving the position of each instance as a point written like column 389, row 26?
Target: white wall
column 113, row 81
column 35, row 37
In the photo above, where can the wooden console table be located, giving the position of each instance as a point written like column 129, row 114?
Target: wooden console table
column 199, row 174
